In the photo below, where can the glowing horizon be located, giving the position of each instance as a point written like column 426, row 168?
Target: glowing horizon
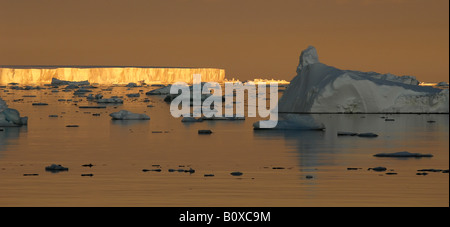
column 248, row 38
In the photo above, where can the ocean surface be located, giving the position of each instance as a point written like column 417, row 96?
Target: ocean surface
column 280, row 168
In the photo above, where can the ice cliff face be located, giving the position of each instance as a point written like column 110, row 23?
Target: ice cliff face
column 319, row 88
column 3, row 105
column 107, row 75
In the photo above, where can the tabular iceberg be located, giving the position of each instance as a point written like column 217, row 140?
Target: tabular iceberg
column 319, row 88
column 105, row 75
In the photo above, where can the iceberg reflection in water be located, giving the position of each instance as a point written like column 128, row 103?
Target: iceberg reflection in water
column 293, row 122
column 280, row 167
column 8, row 134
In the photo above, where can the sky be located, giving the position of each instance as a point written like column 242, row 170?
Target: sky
column 247, row 38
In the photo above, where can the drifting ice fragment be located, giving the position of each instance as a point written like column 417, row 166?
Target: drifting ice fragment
column 378, row 169
column 191, row 119
column 236, row 173
column 368, row 134
column 160, row 91
column 110, row 100
column 127, row 115
column 403, row 154
column 10, row 117
column 56, row 168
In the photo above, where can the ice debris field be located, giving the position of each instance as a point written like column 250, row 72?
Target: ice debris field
column 317, row 88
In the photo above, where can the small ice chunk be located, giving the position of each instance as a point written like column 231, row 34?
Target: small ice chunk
column 442, row 84
column 403, row 154
column 131, row 85
column 236, row 173
column 378, row 169
column 191, row 119
column 347, row 133
column 430, row 170
column 56, row 168
column 110, row 100
column 207, row 131
column 367, row 134
column 160, row 91
column 133, row 95
column 127, row 115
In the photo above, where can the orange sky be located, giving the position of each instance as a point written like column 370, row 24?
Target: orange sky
column 248, row 38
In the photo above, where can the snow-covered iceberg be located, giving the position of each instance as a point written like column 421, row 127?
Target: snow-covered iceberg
column 127, row 115
column 319, row 88
column 10, row 117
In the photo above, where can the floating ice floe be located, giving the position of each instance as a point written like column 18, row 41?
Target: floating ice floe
column 433, row 170
column 442, row 84
column 368, row 134
column 81, row 91
column 110, row 100
column 132, row 85
column 213, row 118
column 71, row 86
column 319, row 88
column 40, row 104
column 204, row 131
column 403, row 154
column 133, row 95
column 340, row 133
column 56, row 168
column 236, row 173
column 10, row 117
column 160, row 91
column 127, row 115
column 96, row 97
column 170, row 97
column 378, row 169
column 191, row 119
column 57, row 82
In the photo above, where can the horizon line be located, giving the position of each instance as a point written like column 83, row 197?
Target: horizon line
column 96, row 66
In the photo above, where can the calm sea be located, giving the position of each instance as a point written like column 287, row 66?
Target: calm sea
column 280, row 168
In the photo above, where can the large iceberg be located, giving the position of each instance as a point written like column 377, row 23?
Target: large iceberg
column 10, row 117
column 319, row 88
column 105, row 75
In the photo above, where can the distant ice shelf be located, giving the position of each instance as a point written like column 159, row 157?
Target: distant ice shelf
column 319, row 88
column 26, row 75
